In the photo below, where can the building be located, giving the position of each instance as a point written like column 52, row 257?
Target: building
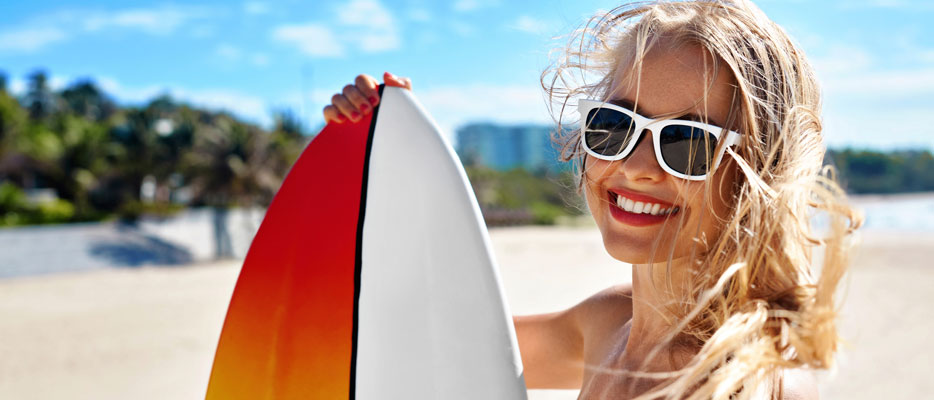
column 506, row 147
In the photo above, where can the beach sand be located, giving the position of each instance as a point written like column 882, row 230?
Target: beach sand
column 150, row 333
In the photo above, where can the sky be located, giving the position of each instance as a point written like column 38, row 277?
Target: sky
column 470, row 60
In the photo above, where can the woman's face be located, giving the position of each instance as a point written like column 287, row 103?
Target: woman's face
column 673, row 81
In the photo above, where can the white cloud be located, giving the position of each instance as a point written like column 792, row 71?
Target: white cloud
column 256, row 7
column 362, row 24
column 454, row 106
column 879, row 85
column 471, row 5
column 841, row 60
column 877, row 126
column 43, row 30
column 461, row 28
column 465, row 5
column 313, row 39
column 260, row 59
column 158, row 21
column 370, row 24
column 203, row 31
column 926, row 56
column 58, row 82
column 419, row 15
column 129, row 94
column 228, row 51
column 852, row 72
column 30, row 38
column 17, row 86
column 244, row 105
column 890, row 4
column 870, row 104
column 529, row 24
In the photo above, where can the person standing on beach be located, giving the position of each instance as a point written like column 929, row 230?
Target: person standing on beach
column 700, row 156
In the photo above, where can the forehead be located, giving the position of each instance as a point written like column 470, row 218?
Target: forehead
column 677, row 80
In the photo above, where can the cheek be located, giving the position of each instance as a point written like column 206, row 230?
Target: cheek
column 717, row 208
column 592, row 176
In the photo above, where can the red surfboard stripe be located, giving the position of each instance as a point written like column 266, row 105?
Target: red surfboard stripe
column 289, row 328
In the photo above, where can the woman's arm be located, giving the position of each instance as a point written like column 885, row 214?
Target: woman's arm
column 552, row 350
column 555, row 346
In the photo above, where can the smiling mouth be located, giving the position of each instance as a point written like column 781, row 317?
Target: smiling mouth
column 641, row 207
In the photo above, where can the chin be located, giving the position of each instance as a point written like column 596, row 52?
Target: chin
column 632, row 251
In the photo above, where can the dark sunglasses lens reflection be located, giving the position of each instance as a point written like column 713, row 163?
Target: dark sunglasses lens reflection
column 608, row 131
column 687, row 149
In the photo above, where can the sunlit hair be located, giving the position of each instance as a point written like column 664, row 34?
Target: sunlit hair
column 764, row 301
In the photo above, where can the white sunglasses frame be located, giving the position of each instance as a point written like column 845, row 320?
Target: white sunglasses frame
column 654, row 125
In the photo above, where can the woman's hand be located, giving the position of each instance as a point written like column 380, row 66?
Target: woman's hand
column 358, row 99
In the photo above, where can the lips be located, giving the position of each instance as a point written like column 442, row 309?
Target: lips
column 637, row 209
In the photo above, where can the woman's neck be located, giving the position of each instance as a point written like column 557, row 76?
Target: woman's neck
column 652, row 321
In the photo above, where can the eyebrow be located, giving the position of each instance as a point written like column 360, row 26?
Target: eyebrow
column 629, row 104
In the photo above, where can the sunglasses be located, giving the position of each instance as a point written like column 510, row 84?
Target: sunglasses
column 683, row 148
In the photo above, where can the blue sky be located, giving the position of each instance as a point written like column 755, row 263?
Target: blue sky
column 469, row 59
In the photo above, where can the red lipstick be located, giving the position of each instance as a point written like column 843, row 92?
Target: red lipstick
column 637, row 219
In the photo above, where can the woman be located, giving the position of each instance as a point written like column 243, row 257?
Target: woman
column 701, row 160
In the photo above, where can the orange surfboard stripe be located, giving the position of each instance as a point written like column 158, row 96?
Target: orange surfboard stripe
column 289, row 331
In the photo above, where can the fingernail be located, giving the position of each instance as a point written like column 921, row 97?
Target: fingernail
column 354, row 115
column 340, row 119
column 364, row 108
column 373, row 100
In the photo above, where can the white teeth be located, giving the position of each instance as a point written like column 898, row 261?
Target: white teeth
column 638, row 207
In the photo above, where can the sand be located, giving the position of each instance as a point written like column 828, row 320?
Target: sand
column 150, row 333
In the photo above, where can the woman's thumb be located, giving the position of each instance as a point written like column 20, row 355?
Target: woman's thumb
column 392, row 80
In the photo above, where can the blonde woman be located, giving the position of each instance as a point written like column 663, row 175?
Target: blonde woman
column 700, row 154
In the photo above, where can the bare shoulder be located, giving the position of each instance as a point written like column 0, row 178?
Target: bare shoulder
column 605, row 311
column 799, row 384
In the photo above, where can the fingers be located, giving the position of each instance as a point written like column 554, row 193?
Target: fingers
column 368, row 87
column 392, row 80
column 345, row 107
column 331, row 114
column 358, row 99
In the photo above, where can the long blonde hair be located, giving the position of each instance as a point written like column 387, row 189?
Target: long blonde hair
column 765, row 302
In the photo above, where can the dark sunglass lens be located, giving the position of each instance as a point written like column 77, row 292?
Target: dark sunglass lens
column 687, row 149
column 608, row 131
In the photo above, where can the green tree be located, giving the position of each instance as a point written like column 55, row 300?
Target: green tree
column 39, row 99
column 231, row 163
column 84, row 99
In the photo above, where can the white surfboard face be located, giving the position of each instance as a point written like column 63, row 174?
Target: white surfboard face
column 432, row 322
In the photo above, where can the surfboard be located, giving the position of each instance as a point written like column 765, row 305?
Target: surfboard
column 371, row 276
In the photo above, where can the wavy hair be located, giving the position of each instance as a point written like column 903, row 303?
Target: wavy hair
column 765, row 301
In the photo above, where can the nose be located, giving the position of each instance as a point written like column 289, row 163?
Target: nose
column 641, row 165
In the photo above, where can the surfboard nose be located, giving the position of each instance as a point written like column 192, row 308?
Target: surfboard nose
column 374, row 280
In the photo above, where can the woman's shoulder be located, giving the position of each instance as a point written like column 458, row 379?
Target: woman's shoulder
column 606, row 310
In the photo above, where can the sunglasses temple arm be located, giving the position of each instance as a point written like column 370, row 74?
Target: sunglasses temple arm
column 732, row 138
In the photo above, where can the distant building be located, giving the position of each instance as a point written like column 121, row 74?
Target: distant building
column 505, row 147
